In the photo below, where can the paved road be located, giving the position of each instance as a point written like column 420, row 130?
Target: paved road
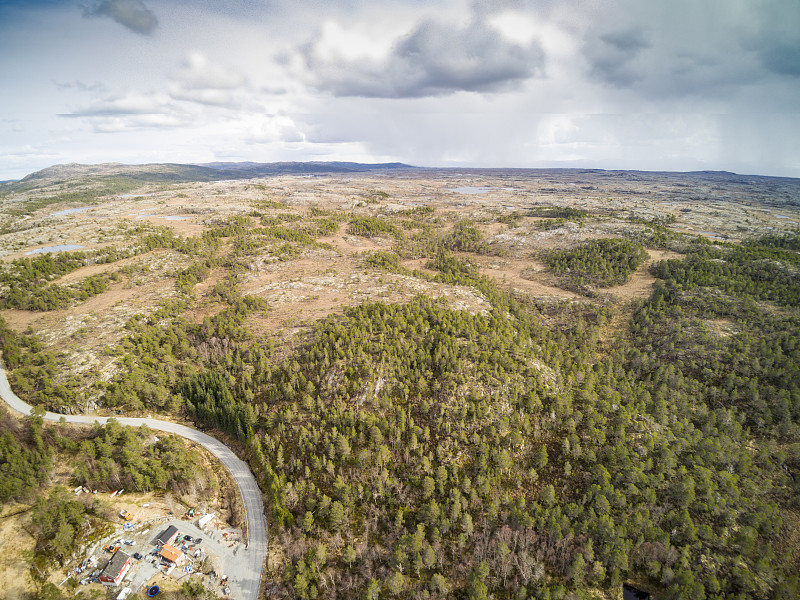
column 256, row 551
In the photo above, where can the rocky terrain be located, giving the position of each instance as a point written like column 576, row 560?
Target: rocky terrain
column 75, row 206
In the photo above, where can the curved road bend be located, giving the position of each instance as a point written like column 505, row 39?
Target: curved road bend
column 256, row 551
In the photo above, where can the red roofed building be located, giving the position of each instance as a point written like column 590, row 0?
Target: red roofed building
column 116, row 568
column 171, row 554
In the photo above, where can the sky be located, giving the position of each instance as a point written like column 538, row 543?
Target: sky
column 671, row 85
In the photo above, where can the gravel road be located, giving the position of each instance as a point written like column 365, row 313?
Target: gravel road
column 256, row 552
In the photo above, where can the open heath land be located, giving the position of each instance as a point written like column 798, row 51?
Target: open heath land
column 312, row 281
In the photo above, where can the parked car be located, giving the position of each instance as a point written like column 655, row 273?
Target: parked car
column 188, row 538
column 129, row 543
column 198, row 540
column 137, row 556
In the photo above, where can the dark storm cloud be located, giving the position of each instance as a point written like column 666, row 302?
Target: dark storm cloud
column 631, row 41
column 777, row 38
column 435, row 59
column 694, row 49
column 612, row 55
column 132, row 14
column 783, row 59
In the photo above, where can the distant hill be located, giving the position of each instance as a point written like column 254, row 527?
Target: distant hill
column 79, row 183
column 252, row 169
column 180, row 173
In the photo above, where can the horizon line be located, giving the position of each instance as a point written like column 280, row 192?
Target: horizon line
column 399, row 165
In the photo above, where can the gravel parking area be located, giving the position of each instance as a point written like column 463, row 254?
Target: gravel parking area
column 224, row 545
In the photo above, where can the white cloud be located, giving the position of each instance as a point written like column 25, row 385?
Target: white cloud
column 198, row 72
column 518, row 26
column 123, row 104
column 351, row 44
column 267, row 129
column 133, row 111
column 199, row 91
column 136, row 122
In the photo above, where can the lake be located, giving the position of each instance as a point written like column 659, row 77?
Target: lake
column 58, row 248
column 470, row 189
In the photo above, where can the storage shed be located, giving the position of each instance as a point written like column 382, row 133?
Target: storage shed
column 167, row 535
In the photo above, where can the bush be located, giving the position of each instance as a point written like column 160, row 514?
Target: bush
column 603, row 262
column 466, row 238
column 373, row 227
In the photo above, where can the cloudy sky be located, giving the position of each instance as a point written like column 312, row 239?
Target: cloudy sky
column 629, row 84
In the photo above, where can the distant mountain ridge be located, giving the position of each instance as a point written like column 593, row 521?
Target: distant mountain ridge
column 177, row 172
column 117, row 175
column 254, row 168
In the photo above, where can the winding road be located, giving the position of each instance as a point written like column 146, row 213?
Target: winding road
column 249, row 587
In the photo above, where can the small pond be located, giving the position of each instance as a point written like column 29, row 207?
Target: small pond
column 70, row 211
column 57, row 248
column 168, row 217
column 471, row 189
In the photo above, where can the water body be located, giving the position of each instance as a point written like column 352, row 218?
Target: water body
column 71, row 211
column 57, row 248
column 471, row 189
column 168, row 217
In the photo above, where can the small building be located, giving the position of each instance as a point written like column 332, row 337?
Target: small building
column 167, row 535
column 171, row 554
column 124, row 593
column 116, row 568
